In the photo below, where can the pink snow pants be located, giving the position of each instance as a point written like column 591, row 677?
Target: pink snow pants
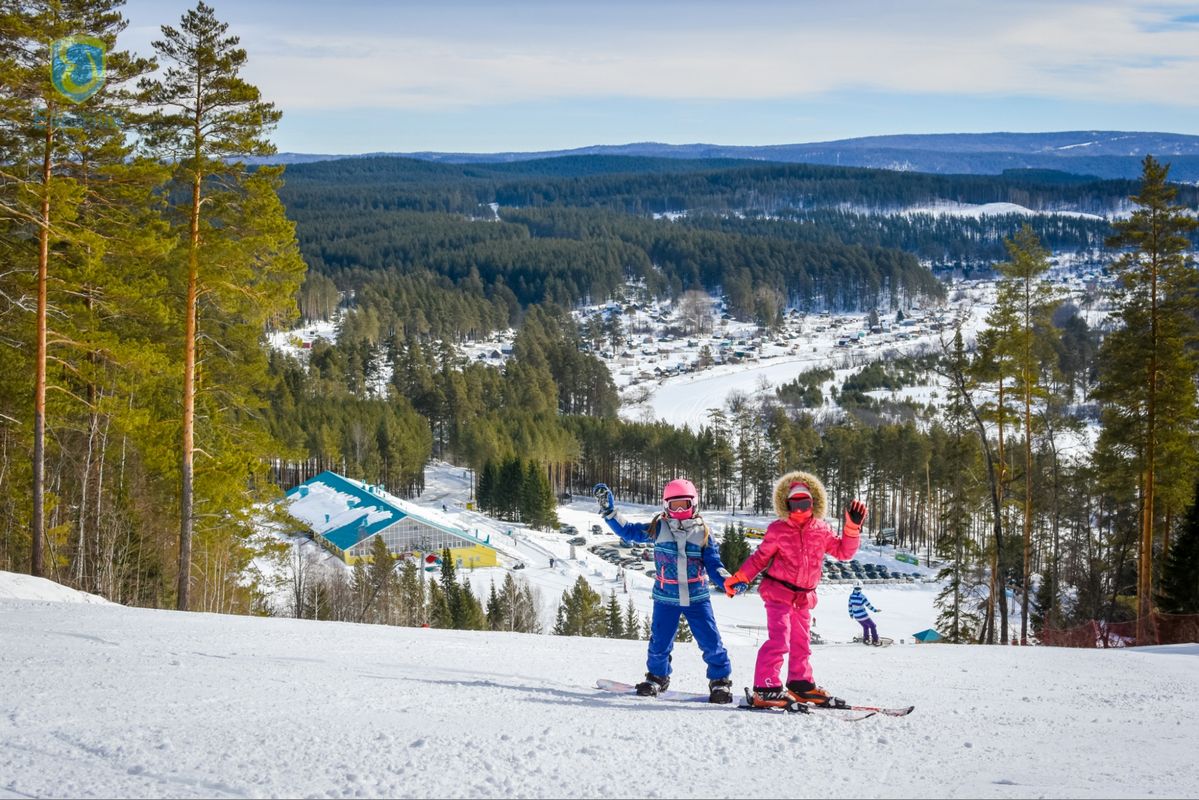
column 788, row 629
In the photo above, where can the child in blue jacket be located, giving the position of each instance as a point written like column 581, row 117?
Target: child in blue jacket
column 683, row 552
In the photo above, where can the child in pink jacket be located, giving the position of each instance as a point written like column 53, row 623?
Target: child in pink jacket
column 791, row 557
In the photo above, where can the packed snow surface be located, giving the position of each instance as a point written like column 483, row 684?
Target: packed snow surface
column 108, row 701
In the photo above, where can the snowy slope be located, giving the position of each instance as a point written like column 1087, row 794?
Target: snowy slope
column 108, row 701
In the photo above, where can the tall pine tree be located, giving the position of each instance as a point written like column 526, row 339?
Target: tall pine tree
column 1147, row 366
column 241, row 268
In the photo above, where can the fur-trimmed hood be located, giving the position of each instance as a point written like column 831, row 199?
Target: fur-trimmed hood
column 783, row 488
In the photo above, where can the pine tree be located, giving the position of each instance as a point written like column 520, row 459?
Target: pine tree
column 1147, row 369
column 472, row 616
column 614, row 622
column 451, row 590
column 383, row 583
column 734, row 548
column 497, row 614
column 581, row 611
column 632, row 622
column 485, row 494
column 1031, row 302
column 205, row 118
column 958, row 620
column 1047, row 610
column 1179, row 593
column 683, row 634
column 439, row 607
column 412, row 594
column 41, row 136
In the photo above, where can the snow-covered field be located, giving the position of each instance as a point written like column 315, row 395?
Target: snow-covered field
column 108, row 701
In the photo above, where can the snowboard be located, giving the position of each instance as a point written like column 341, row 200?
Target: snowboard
column 670, row 694
column 883, row 641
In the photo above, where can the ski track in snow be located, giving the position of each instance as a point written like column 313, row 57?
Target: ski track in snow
column 161, row 704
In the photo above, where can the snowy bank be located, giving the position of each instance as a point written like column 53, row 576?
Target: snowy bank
column 15, row 586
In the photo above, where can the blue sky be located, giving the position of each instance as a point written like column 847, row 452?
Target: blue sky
column 355, row 76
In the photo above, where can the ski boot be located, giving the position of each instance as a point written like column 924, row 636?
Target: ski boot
column 810, row 693
column 770, row 697
column 720, row 690
column 653, row 685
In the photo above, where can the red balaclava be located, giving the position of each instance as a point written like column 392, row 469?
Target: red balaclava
column 800, row 491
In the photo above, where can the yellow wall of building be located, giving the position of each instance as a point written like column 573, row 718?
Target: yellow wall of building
column 475, row 555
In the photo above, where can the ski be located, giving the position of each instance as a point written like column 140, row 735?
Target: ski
column 795, row 707
column 890, row 712
column 672, row 695
column 837, row 704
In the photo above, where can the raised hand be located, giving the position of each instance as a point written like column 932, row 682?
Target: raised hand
column 603, row 496
column 856, row 513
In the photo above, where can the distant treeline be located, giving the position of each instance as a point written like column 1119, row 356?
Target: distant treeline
column 650, row 185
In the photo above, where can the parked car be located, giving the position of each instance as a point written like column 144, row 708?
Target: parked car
column 578, row 540
column 596, row 530
column 637, row 565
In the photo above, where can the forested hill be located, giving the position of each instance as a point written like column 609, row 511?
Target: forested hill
column 491, row 239
column 1106, row 154
column 656, row 185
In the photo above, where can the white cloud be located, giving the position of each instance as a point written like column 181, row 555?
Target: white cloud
column 1118, row 52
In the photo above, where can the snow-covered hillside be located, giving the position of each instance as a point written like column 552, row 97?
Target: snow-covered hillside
column 108, row 701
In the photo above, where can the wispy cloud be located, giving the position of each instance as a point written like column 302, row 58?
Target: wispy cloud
column 462, row 63
column 695, row 51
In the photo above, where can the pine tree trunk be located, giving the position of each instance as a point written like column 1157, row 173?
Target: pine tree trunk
column 1145, row 565
column 186, row 521
column 38, row 523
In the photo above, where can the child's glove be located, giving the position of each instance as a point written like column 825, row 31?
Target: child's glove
column 854, row 516
column 607, row 503
column 735, row 584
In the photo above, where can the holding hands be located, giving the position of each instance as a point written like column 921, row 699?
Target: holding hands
column 735, row 584
column 607, row 502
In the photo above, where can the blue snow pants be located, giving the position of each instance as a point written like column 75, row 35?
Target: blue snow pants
column 665, row 625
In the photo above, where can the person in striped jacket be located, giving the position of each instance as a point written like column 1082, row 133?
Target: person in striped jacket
column 857, row 609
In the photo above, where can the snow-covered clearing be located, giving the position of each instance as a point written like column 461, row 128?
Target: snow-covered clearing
column 108, row 701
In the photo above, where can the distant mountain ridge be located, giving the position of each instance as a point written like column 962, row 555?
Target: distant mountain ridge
column 1104, row 154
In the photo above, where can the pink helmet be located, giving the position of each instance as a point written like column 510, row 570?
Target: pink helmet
column 680, row 488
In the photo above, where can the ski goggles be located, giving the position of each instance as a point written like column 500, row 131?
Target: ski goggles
column 799, row 503
column 678, row 504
